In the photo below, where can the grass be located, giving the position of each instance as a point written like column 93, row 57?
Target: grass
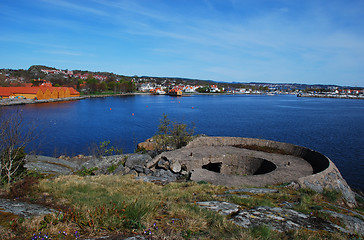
column 111, row 204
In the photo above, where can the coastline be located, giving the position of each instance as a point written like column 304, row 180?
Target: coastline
column 313, row 95
column 13, row 102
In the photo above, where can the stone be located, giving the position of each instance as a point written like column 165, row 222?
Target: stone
column 175, row 167
column 281, row 220
column 147, row 171
column 224, row 208
column 133, row 172
column 148, row 146
column 164, row 164
column 50, row 165
column 120, row 170
column 25, row 210
column 156, row 180
column 353, row 224
column 253, row 190
column 138, row 169
column 48, row 168
column 137, row 159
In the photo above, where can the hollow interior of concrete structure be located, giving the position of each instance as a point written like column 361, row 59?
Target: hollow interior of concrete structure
column 318, row 161
column 245, row 165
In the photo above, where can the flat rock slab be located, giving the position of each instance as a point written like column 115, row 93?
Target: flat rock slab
column 21, row 209
column 223, row 208
column 253, row 190
column 353, row 224
column 157, row 180
column 278, row 219
column 50, row 165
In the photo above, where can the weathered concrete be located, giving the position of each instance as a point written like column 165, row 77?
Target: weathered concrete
column 218, row 160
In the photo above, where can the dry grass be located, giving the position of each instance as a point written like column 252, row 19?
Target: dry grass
column 98, row 205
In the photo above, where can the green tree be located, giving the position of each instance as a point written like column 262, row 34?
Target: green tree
column 102, row 86
column 92, row 84
column 172, row 135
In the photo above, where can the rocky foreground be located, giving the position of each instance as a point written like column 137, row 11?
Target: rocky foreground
column 144, row 167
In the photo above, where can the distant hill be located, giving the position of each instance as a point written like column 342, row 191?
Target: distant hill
column 35, row 72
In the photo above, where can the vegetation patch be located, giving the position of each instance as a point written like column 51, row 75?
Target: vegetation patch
column 112, row 204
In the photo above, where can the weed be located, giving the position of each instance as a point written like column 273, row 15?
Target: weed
column 202, row 182
column 22, row 187
column 87, row 171
column 262, row 231
column 331, row 195
column 113, row 167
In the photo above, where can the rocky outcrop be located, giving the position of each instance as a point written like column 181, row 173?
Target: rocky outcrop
column 148, row 145
column 281, row 219
column 140, row 165
column 226, row 161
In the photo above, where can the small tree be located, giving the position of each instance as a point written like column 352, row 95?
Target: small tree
column 172, row 135
column 13, row 140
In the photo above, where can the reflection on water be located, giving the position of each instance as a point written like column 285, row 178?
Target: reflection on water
column 331, row 126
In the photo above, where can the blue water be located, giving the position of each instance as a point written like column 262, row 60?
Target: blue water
column 334, row 127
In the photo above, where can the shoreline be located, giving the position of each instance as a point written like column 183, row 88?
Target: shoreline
column 13, row 102
column 330, row 96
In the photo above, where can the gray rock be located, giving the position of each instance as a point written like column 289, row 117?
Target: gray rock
column 138, row 169
column 157, row 180
column 47, row 168
column 253, row 190
column 137, row 159
column 175, row 167
column 165, row 174
column 353, row 224
column 223, row 208
column 24, row 209
column 91, row 163
column 133, row 172
column 120, row 170
column 235, row 195
column 280, row 219
column 38, row 158
column 164, row 164
column 49, row 165
column 147, row 171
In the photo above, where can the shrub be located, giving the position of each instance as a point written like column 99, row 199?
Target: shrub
column 172, row 135
column 331, row 195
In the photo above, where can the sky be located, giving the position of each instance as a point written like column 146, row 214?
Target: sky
column 274, row 41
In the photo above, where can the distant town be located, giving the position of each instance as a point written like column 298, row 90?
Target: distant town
column 67, row 83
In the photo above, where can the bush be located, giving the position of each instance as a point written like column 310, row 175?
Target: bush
column 172, row 135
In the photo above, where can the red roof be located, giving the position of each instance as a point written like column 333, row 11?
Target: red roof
column 7, row 91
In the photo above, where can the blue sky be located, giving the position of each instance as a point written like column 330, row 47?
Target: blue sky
column 300, row 41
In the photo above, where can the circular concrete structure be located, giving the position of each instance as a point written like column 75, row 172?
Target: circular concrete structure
column 235, row 161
